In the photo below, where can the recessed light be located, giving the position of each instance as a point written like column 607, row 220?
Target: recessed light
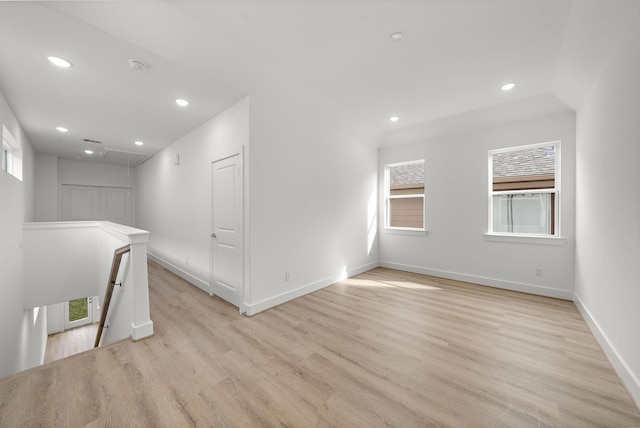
column 60, row 62
column 508, row 86
column 182, row 103
column 138, row 143
column 397, row 36
column 62, row 129
column 89, row 152
column 394, row 118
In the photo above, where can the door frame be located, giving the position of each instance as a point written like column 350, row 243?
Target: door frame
column 220, row 156
column 92, row 301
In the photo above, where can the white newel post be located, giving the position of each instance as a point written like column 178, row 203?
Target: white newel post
column 142, row 326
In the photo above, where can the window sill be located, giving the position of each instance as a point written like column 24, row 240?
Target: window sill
column 407, row 231
column 525, row 239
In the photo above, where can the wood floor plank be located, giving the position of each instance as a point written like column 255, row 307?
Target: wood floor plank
column 385, row 348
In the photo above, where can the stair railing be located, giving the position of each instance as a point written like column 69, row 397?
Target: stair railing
column 115, row 267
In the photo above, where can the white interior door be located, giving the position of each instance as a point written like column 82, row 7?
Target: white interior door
column 83, row 203
column 227, row 264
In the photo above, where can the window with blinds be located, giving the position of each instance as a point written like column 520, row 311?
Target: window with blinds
column 404, row 188
column 524, row 189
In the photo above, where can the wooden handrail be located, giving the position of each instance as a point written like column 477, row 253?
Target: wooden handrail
column 115, row 267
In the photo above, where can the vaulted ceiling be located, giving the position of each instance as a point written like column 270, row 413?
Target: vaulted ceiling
column 333, row 58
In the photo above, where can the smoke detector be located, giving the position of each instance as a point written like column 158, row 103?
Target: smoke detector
column 137, row 65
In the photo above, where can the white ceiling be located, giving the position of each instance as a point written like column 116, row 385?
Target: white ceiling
column 330, row 58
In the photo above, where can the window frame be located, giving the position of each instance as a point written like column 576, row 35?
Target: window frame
column 11, row 154
column 7, row 163
column 555, row 191
column 388, row 197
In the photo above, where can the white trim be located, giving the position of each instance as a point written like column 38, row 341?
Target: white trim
column 191, row 279
column 523, row 192
column 481, row 280
column 127, row 234
column 14, row 153
column 525, row 239
column 388, row 196
column 141, row 331
column 252, row 309
column 411, row 162
column 7, row 164
column 526, row 146
column 411, row 196
column 405, row 231
column 60, row 225
column 556, row 190
column 629, row 379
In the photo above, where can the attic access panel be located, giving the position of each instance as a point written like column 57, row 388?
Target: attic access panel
column 123, row 158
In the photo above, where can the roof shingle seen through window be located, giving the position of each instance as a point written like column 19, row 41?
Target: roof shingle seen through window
column 404, row 175
column 524, row 163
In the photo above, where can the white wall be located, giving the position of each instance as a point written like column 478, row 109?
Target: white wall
column 11, row 218
column 174, row 201
column 46, row 188
column 608, row 208
column 67, row 263
column 456, row 198
column 21, row 338
column 309, row 202
column 72, row 171
column 33, row 338
column 55, row 318
column 313, row 205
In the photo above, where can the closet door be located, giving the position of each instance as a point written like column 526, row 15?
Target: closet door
column 83, row 203
column 80, row 203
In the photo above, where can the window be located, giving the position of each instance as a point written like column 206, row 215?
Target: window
column 524, row 189
column 404, row 195
column 5, row 157
column 11, row 155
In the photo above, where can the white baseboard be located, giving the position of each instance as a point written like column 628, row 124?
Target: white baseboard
column 203, row 285
column 361, row 269
column 629, row 380
column 252, row 309
column 491, row 282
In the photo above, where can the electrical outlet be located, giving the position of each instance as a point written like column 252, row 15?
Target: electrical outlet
column 287, row 276
column 538, row 271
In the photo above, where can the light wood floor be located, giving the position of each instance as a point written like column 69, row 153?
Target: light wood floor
column 70, row 342
column 385, row 348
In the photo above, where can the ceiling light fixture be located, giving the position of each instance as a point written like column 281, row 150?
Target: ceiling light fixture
column 60, row 62
column 394, row 118
column 62, row 129
column 508, row 86
column 89, row 152
column 182, row 103
column 137, row 65
column 396, row 37
column 138, row 143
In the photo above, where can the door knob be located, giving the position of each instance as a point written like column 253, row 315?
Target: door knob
column 213, row 235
